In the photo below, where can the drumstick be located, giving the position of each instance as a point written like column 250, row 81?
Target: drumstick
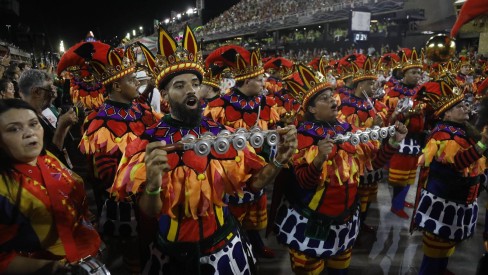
column 369, row 101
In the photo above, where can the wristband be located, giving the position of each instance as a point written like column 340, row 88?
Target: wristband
column 153, row 193
column 481, row 145
column 277, row 164
column 393, row 143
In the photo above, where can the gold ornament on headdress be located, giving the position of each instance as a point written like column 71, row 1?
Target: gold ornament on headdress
column 312, row 82
column 365, row 72
column 411, row 62
column 441, row 95
column 118, row 65
column 172, row 59
column 440, row 48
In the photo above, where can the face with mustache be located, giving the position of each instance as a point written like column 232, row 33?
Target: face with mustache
column 182, row 92
column 324, row 106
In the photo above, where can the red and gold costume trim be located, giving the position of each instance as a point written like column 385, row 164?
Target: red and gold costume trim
column 237, row 110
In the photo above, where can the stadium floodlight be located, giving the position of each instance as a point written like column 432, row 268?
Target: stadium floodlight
column 61, row 47
column 189, row 11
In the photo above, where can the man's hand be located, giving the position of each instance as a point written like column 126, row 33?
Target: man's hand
column 67, row 119
column 288, row 143
column 400, row 131
column 377, row 120
column 156, row 161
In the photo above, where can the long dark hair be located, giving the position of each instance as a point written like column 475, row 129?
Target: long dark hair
column 6, row 167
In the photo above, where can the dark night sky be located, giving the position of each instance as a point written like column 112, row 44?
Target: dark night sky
column 70, row 21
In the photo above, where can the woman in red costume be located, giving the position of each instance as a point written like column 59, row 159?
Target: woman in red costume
column 44, row 217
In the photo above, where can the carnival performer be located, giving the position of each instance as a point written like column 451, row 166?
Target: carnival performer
column 452, row 163
column 361, row 110
column 118, row 121
column 403, row 165
column 319, row 219
column 278, row 69
column 210, row 89
column 44, row 217
column 74, row 67
column 186, row 191
column 345, row 73
column 464, row 77
column 245, row 106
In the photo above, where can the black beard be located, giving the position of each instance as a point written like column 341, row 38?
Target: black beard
column 190, row 117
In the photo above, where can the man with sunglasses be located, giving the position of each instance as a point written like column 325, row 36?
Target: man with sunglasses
column 36, row 88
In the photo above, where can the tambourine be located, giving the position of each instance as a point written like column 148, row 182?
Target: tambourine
column 404, row 105
column 363, row 136
column 89, row 266
column 202, row 146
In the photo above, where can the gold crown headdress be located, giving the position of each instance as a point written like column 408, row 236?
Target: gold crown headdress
column 363, row 71
column 387, row 62
column 411, row 60
column 306, row 82
column 345, row 65
column 242, row 63
column 119, row 63
column 171, row 59
column 440, row 95
column 280, row 64
column 213, row 75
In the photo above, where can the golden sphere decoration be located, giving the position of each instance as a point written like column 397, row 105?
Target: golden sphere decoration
column 440, row 48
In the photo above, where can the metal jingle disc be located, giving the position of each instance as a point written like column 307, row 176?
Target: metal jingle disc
column 273, row 139
column 257, row 140
column 354, row 140
column 255, row 129
column 207, row 135
column 239, row 142
column 224, row 133
column 391, row 131
column 203, row 147
column 374, row 135
column 221, row 145
column 189, row 138
column 364, row 137
column 241, row 131
column 340, row 138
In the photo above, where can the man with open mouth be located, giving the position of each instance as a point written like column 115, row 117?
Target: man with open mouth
column 319, row 217
column 184, row 193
